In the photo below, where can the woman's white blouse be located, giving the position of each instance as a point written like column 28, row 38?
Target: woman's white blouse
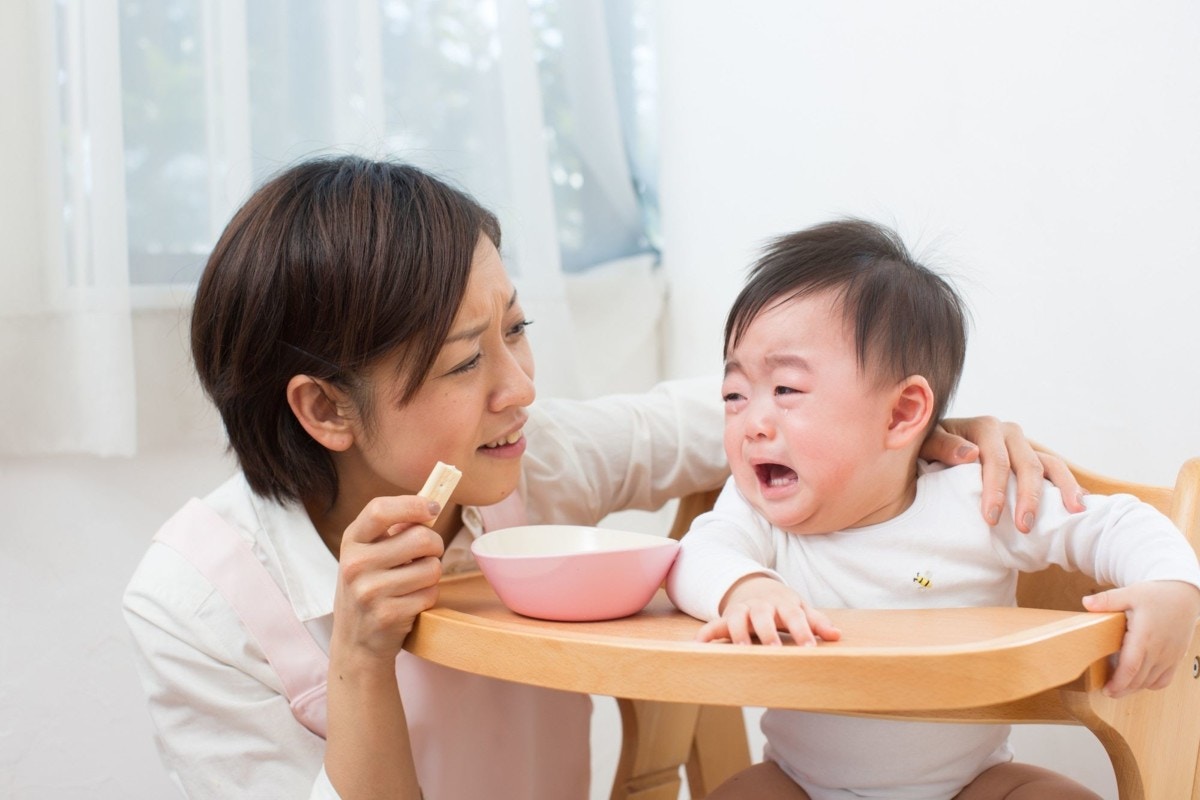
column 223, row 726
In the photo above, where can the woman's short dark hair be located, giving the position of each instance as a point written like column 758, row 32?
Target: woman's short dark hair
column 330, row 266
column 906, row 319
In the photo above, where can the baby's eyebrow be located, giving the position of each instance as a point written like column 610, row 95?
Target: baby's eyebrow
column 789, row 360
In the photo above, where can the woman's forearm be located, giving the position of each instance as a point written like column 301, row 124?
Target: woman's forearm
column 367, row 753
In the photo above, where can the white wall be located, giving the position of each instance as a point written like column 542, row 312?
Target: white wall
column 1044, row 153
column 73, row 720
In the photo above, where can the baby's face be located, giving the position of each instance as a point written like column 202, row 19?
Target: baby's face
column 804, row 427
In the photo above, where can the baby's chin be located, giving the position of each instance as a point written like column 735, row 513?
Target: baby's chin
column 797, row 527
column 790, row 520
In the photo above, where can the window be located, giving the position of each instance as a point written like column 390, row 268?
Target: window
column 217, row 96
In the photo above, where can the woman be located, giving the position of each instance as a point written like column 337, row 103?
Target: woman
column 355, row 325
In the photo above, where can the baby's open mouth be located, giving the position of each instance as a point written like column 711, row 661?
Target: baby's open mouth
column 775, row 474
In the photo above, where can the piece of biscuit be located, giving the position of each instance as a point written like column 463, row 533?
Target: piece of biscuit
column 440, row 485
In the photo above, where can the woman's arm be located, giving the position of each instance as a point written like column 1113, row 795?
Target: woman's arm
column 637, row 451
column 1002, row 449
column 387, row 574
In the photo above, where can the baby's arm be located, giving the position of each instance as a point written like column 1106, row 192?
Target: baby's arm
column 724, row 574
column 1123, row 542
column 1160, row 619
column 759, row 605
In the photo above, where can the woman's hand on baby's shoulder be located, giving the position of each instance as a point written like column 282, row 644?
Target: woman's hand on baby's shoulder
column 1160, row 617
column 760, row 607
column 388, row 571
column 1003, row 451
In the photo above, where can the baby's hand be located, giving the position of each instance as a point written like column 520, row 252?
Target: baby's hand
column 1160, row 619
column 761, row 606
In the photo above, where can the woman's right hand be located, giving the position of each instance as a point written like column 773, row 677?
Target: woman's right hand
column 388, row 572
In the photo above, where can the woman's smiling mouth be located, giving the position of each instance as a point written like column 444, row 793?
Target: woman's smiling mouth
column 505, row 441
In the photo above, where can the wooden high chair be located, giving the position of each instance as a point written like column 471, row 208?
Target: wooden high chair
column 1151, row 737
column 657, row 737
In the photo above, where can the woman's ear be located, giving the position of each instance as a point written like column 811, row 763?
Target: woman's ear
column 912, row 410
column 316, row 405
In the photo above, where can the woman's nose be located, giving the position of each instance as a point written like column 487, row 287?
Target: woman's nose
column 514, row 385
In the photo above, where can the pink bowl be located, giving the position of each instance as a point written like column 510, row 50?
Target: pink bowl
column 574, row 573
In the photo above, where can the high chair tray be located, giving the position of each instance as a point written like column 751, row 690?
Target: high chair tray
column 895, row 660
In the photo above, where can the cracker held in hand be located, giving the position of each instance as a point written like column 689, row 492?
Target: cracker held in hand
column 440, row 485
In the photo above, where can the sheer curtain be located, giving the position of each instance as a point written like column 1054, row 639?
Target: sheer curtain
column 65, row 333
column 146, row 124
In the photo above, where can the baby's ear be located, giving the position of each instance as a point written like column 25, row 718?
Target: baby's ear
column 912, row 410
column 317, row 405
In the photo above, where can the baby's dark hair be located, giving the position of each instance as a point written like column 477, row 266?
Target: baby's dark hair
column 330, row 267
column 906, row 319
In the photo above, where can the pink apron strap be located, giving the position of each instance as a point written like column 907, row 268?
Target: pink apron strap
column 225, row 559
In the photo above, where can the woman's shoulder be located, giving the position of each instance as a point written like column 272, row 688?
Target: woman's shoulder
column 165, row 577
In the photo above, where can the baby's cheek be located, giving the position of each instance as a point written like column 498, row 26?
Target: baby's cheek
column 745, row 478
column 733, row 448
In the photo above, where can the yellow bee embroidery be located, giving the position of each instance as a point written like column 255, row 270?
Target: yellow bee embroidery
column 923, row 579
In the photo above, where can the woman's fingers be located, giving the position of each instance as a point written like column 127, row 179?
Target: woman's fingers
column 387, row 515
column 374, row 586
column 359, row 560
column 988, row 436
column 388, row 572
column 1058, row 473
column 945, row 447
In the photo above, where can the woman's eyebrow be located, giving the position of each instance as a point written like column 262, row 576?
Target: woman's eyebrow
column 475, row 331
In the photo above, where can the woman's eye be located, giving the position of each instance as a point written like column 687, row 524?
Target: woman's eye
column 731, row 397
column 519, row 328
column 786, row 390
column 468, row 365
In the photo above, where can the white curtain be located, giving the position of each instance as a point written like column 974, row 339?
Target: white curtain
column 142, row 126
column 65, row 344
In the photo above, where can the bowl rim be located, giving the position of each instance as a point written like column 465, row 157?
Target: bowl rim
column 652, row 542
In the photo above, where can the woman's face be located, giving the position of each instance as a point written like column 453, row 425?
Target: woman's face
column 470, row 410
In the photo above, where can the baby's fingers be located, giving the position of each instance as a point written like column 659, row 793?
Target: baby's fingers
column 763, row 620
column 738, row 625
column 713, row 631
column 1161, row 679
column 1131, row 673
column 822, row 626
